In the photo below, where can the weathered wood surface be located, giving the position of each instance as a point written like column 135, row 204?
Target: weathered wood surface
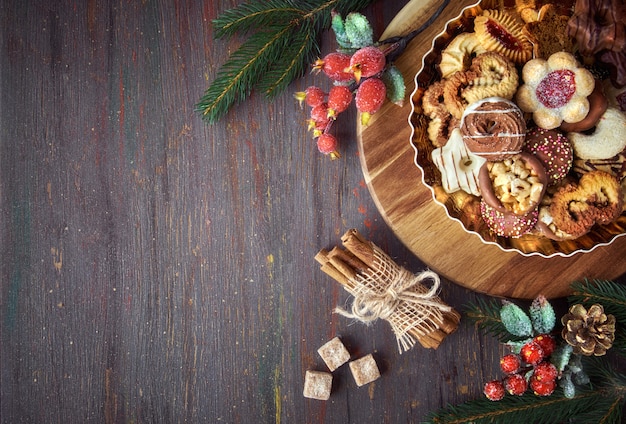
column 423, row 225
column 156, row 269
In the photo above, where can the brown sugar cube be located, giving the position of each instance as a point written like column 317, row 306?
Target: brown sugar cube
column 334, row 354
column 317, row 385
column 364, row 370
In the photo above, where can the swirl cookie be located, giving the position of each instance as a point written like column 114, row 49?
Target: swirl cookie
column 493, row 128
column 457, row 57
column 596, row 199
column 490, row 75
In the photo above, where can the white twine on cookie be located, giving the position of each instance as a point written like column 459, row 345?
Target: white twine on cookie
column 394, row 294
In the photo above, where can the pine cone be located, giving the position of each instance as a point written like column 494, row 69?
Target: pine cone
column 590, row 332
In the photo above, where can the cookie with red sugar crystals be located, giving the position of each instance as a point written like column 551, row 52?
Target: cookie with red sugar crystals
column 555, row 90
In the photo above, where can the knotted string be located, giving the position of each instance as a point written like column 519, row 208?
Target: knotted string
column 392, row 293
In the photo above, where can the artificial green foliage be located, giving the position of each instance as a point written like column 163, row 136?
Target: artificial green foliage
column 358, row 31
column 515, row 320
column 394, row 83
column 561, row 357
column 542, row 315
column 339, row 30
column 282, row 41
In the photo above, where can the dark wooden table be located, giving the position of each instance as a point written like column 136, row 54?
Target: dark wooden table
column 159, row 269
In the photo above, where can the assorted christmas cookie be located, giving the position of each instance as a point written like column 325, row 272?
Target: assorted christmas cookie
column 490, row 74
column 528, row 119
column 555, row 90
column 597, row 198
column 515, row 185
column 507, row 224
column 459, row 167
column 493, row 128
column 457, row 57
column 554, row 151
column 500, row 31
column 548, row 33
column 607, row 140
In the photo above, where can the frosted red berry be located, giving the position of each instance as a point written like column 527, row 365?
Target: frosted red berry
column 319, row 116
column 532, row 353
column 314, row 96
column 510, row 363
column 334, row 65
column 515, row 384
column 339, row 98
column 545, row 371
column 367, row 62
column 494, row 390
column 327, row 144
column 370, row 95
column 547, row 343
column 542, row 387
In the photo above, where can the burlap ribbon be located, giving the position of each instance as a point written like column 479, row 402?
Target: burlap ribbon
column 399, row 297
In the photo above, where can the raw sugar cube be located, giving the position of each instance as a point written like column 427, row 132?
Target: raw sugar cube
column 317, row 385
column 364, row 370
column 334, row 354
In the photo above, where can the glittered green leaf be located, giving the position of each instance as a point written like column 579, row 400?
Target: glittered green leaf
column 394, row 82
column 340, row 31
column 561, row 357
column 358, row 30
column 542, row 315
column 515, row 320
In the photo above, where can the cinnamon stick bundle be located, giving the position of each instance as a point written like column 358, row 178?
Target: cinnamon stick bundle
column 382, row 289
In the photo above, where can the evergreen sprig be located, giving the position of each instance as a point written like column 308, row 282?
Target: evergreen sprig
column 282, row 42
column 586, row 406
column 486, row 315
column 612, row 296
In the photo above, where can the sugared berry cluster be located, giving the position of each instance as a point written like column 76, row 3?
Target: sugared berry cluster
column 531, row 368
column 358, row 70
column 356, row 76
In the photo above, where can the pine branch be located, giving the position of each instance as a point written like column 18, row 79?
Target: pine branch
column 282, row 44
column 612, row 296
column 486, row 315
column 255, row 15
column 289, row 66
column 519, row 409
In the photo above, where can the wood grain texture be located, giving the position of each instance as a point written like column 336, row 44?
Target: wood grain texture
column 406, row 203
column 156, row 269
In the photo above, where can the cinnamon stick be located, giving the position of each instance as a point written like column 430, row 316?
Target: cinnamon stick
column 359, row 258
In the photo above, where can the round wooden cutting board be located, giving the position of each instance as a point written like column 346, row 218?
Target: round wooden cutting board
column 406, row 204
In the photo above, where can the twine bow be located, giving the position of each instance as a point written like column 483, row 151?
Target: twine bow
column 369, row 306
column 399, row 297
